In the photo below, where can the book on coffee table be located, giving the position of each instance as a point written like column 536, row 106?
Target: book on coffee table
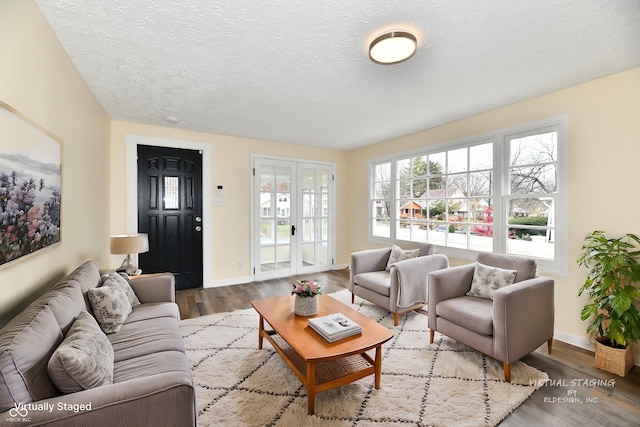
column 334, row 327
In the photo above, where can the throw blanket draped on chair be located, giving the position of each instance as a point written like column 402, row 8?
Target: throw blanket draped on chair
column 412, row 280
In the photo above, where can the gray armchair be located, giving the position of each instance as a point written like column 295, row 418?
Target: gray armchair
column 401, row 289
column 516, row 322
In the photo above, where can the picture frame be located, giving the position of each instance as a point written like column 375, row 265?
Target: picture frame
column 30, row 186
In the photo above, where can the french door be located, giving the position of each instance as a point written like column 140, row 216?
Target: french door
column 293, row 217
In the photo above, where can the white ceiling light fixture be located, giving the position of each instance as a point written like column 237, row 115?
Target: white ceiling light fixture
column 393, row 47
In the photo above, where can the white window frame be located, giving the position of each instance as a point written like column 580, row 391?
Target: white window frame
column 500, row 138
column 371, row 217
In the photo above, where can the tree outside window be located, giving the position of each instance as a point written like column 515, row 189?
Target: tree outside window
column 533, row 185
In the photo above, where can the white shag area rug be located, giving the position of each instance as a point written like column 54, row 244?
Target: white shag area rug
column 440, row 384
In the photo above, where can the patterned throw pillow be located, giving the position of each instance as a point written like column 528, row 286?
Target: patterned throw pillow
column 124, row 284
column 487, row 280
column 110, row 305
column 84, row 359
column 398, row 254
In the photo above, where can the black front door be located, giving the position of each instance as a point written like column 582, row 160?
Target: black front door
column 170, row 212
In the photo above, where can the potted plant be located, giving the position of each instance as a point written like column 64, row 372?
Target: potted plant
column 614, row 268
column 306, row 302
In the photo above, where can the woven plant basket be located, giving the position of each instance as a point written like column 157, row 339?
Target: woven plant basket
column 615, row 360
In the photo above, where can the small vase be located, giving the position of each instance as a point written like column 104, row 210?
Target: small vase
column 306, row 306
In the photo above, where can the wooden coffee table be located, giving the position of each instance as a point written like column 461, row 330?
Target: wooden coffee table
column 321, row 365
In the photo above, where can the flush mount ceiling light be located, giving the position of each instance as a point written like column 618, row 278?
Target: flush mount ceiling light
column 392, row 47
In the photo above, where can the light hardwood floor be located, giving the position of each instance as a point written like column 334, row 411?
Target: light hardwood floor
column 577, row 394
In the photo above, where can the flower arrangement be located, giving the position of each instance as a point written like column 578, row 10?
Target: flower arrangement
column 306, row 288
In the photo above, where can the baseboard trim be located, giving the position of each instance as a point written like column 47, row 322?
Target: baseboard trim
column 228, row 282
column 574, row 340
column 248, row 279
column 584, row 342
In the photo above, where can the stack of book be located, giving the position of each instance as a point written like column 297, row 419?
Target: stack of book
column 334, row 327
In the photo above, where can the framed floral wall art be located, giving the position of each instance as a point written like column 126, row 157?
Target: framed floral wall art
column 30, row 186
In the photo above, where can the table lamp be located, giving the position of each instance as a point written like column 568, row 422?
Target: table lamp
column 129, row 244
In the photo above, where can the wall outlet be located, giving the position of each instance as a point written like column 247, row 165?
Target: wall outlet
column 240, row 265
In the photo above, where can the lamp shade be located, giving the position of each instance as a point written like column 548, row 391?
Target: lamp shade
column 393, row 47
column 129, row 244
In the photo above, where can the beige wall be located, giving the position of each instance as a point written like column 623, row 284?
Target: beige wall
column 38, row 80
column 604, row 148
column 231, row 168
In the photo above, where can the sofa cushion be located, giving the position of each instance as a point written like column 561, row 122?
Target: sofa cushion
column 86, row 276
column 110, row 305
column 124, row 284
column 84, row 359
column 26, row 344
column 66, row 303
column 153, row 310
column 377, row 281
column 151, row 364
column 487, row 280
column 398, row 254
column 473, row 313
column 146, row 337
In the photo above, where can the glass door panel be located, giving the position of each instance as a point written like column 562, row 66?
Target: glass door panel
column 274, row 182
column 315, row 215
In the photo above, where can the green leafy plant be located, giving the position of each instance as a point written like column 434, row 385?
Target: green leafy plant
column 614, row 267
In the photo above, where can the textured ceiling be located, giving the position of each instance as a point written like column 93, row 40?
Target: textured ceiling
column 298, row 71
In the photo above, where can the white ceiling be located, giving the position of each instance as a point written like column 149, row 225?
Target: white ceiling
column 298, row 71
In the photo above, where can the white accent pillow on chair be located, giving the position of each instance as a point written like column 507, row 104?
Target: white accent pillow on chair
column 487, row 280
column 398, row 254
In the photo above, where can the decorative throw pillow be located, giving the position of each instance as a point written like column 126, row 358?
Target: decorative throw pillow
column 124, row 284
column 487, row 280
column 398, row 254
column 84, row 359
column 110, row 305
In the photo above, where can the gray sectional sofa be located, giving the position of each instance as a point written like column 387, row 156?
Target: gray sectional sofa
column 151, row 382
